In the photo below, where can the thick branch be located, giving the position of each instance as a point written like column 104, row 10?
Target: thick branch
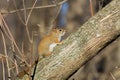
column 81, row 46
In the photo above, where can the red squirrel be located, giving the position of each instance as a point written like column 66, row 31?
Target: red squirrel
column 47, row 44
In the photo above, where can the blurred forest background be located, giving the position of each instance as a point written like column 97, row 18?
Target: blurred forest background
column 24, row 22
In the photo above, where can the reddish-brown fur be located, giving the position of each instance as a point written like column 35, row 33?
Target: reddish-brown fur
column 53, row 37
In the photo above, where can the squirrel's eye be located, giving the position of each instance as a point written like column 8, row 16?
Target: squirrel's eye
column 60, row 30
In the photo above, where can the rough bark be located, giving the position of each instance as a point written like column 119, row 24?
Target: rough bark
column 82, row 45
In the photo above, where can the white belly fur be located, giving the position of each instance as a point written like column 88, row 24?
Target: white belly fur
column 51, row 47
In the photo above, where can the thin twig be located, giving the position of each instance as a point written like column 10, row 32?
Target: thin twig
column 5, row 32
column 3, row 28
column 36, row 62
column 112, row 76
column 5, row 50
column 24, row 10
column 91, row 8
column 3, row 56
column 16, row 66
column 100, row 3
column 39, row 7
column 15, row 61
column 9, row 32
column 58, row 8
column 20, row 18
column 31, row 53
column 24, row 57
column 22, row 48
column 12, row 39
column 31, row 59
column 28, row 33
column 3, row 69
column 30, row 12
column 27, row 20
column 53, row 21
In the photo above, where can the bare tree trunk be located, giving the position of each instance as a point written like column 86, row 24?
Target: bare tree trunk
column 83, row 45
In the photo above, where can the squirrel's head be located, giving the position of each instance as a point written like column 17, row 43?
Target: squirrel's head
column 58, row 32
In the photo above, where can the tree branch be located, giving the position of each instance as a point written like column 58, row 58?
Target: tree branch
column 82, row 45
